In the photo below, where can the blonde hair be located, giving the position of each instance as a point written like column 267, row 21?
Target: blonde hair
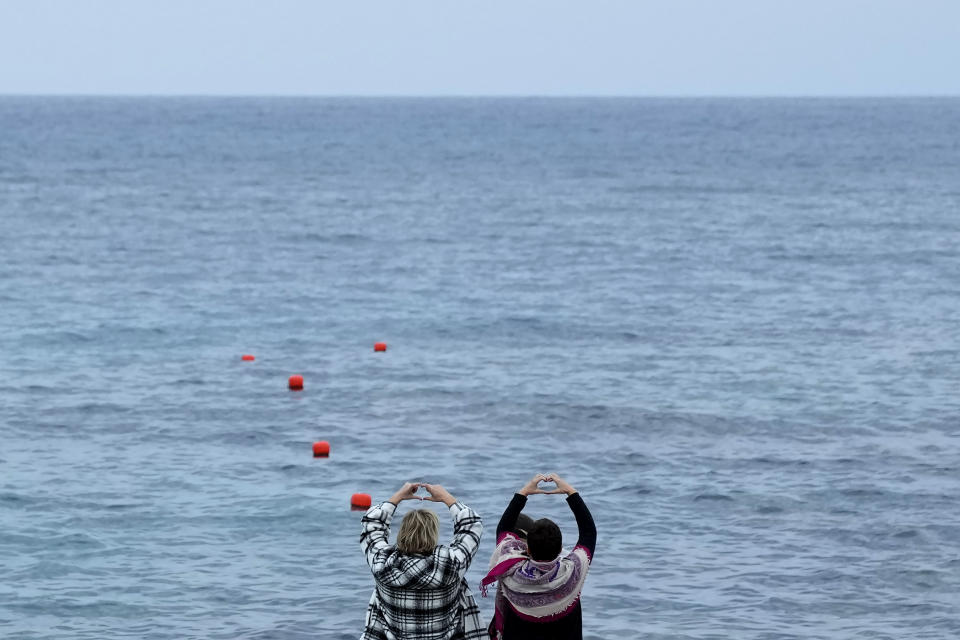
column 418, row 532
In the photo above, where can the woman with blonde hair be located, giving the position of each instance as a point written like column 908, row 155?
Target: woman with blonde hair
column 420, row 591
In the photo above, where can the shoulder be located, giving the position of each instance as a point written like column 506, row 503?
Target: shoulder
column 580, row 556
column 509, row 537
column 442, row 552
column 459, row 510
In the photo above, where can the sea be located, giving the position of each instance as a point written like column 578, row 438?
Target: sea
column 732, row 324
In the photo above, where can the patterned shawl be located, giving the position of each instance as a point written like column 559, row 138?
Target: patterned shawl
column 538, row 591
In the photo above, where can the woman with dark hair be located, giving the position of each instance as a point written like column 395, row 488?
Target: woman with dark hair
column 538, row 592
column 420, row 592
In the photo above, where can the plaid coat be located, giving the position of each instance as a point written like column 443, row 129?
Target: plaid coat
column 421, row 597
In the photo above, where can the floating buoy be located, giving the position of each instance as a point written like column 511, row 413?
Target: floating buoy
column 321, row 449
column 360, row 501
column 379, row 346
column 247, row 357
column 295, row 383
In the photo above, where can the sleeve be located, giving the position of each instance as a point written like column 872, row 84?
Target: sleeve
column 509, row 518
column 467, row 529
column 376, row 530
column 587, row 529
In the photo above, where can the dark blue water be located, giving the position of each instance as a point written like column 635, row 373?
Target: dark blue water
column 734, row 325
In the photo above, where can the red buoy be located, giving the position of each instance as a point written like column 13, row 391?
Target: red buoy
column 295, row 383
column 321, row 449
column 379, row 346
column 247, row 357
column 360, row 501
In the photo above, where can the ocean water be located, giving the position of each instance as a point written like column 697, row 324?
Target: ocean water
column 733, row 325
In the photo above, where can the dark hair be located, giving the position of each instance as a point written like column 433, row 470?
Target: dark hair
column 524, row 522
column 544, row 540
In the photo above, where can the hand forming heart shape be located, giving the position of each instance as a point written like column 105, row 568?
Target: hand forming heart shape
column 533, row 486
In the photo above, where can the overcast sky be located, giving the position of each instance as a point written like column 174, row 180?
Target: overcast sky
column 478, row 47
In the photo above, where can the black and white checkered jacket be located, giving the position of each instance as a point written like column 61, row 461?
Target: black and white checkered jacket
column 421, row 597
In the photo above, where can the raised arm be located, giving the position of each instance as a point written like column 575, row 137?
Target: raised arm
column 467, row 528
column 587, row 530
column 509, row 518
column 375, row 529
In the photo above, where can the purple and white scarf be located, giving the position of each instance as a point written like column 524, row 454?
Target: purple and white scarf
column 537, row 591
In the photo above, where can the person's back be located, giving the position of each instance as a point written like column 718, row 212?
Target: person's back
column 420, row 591
column 568, row 627
column 538, row 595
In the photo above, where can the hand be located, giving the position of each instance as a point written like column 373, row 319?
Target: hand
column 438, row 494
column 562, row 485
column 407, row 492
column 533, row 486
